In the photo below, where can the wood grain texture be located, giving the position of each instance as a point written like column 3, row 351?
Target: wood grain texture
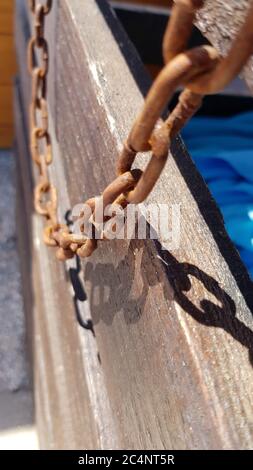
column 7, row 72
column 219, row 21
column 6, row 105
column 6, row 116
column 7, row 63
column 58, row 402
column 6, row 17
column 161, row 354
column 6, row 136
column 68, row 411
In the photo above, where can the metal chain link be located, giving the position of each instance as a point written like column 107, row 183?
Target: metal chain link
column 200, row 71
column 45, row 194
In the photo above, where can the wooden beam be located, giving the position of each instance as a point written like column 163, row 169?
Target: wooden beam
column 60, row 381
column 150, row 348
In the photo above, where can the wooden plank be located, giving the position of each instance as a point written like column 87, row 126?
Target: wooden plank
column 73, row 373
column 173, row 329
column 219, row 21
column 73, row 408
column 7, row 63
column 6, row 16
column 6, row 105
column 7, row 72
column 6, row 136
column 6, row 116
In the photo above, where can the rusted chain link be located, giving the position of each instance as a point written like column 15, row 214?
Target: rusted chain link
column 45, row 194
column 200, row 71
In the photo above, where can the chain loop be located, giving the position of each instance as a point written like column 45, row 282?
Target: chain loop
column 39, row 24
column 39, row 85
column 37, row 137
column 46, row 7
column 43, row 47
column 45, row 194
column 46, row 208
column 39, row 106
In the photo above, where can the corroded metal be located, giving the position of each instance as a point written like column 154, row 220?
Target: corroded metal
column 45, row 193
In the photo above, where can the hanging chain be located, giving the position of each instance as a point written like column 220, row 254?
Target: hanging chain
column 200, row 71
column 45, row 194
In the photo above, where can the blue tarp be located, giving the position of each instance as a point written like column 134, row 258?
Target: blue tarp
column 222, row 149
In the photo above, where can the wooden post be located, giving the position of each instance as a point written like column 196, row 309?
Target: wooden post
column 138, row 347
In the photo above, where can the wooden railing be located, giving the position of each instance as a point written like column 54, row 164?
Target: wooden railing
column 138, row 347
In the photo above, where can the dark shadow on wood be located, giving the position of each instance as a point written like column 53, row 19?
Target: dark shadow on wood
column 220, row 315
column 79, row 296
column 73, row 276
column 210, row 314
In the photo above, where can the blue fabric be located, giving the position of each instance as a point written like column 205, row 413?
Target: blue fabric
column 222, row 149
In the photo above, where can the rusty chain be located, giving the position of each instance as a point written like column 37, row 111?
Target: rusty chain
column 45, row 194
column 200, row 71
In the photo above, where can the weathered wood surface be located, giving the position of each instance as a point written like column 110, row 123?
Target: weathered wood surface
column 148, row 348
column 219, row 21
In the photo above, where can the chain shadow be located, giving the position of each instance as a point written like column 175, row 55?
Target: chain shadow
column 104, row 305
column 110, row 290
column 210, row 314
column 79, row 294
